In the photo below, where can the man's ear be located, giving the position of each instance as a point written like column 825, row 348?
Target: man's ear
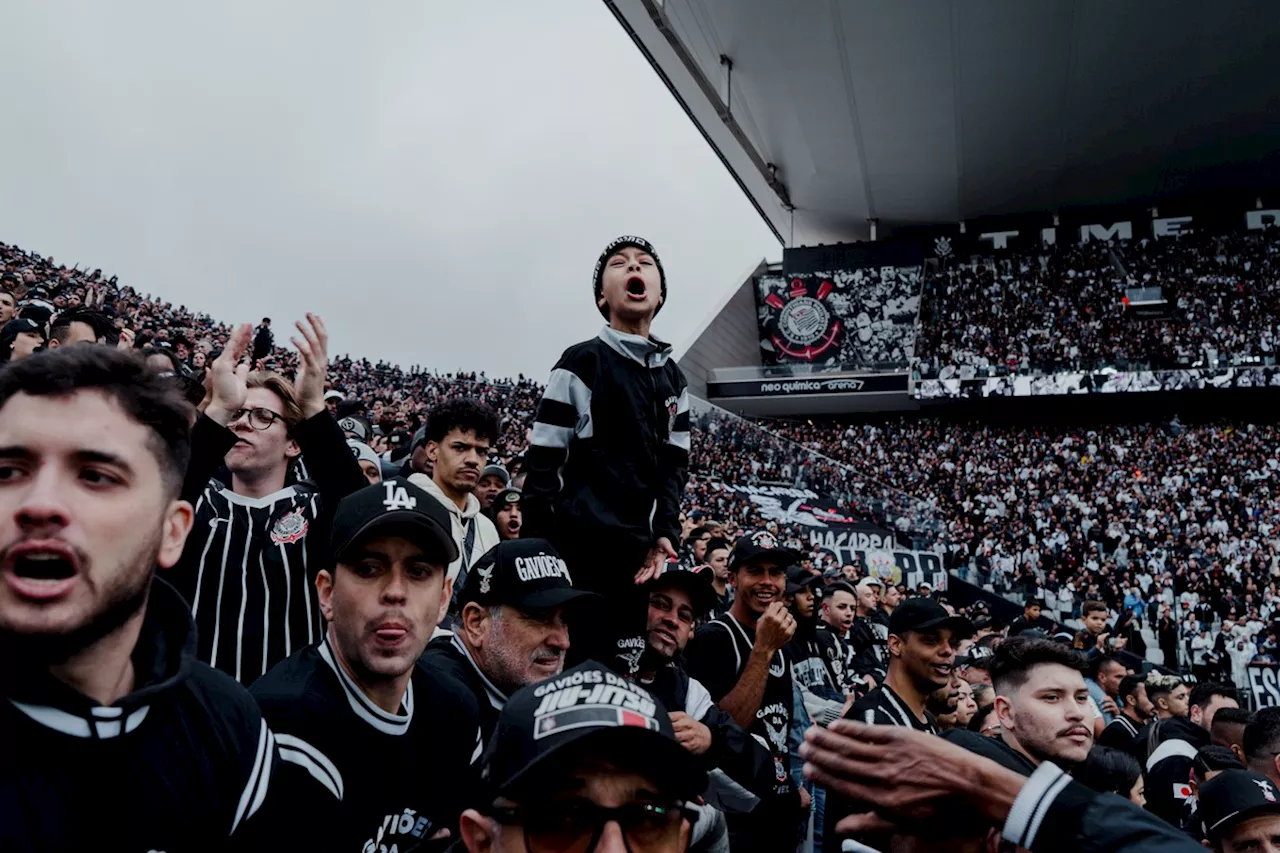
column 471, row 622
column 324, row 591
column 433, row 449
column 895, row 644
column 1004, row 712
column 477, row 832
column 173, row 535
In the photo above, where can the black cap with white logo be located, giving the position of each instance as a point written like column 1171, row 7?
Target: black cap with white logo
column 696, row 585
column 526, row 574
column 1234, row 796
column 394, row 506
column 758, row 546
column 586, row 711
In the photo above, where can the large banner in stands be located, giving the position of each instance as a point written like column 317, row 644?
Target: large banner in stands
column 1264, row 684
column 850, row 540
column 1054, row 384
column 852, row 305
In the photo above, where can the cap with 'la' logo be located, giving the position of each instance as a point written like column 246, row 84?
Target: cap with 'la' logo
column 758, row 546
column 527, row 574
column 397, row 507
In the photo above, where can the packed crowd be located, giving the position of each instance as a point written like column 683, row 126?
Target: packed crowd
column 519, row 624
column 1065, row 309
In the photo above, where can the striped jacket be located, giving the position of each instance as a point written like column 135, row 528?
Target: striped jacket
column 609, row 454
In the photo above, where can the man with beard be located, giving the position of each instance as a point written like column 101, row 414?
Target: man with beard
column 355, row 709
column 739, row 658
column 678, row 599
column 890, row 598
column 511, row 630
column 922, row 641
column 256, row 545
column 115, row 734
column 1135, row 710
column 1042, row 701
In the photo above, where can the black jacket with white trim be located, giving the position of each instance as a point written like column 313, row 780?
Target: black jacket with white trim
column 447, row 656
column 609, row 454
column 1053, row 814
column 397, row 778
column 249, row 565
column 185, row 762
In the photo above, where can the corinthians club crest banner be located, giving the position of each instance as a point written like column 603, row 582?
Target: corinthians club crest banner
column 853, row 305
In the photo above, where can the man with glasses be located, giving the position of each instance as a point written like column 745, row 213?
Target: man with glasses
column 584, row 761
column 259, row 539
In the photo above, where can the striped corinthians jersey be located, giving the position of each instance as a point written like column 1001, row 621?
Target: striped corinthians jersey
column 249, row 566
column 253, row 593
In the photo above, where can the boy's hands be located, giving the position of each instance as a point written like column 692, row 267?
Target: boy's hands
column 658, row 556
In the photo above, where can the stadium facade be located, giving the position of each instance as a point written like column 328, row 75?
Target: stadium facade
column 884, row 143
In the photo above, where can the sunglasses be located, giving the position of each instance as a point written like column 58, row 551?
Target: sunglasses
column 576, row 826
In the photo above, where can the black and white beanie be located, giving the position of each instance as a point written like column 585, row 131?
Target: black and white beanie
column 620, row 243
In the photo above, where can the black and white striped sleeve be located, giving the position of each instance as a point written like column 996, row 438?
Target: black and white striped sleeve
column 564, row 415
column 1053, row 814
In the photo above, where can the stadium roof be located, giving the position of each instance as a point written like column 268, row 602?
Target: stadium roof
column 930, row 111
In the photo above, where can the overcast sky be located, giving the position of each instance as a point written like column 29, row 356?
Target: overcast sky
column 436, row 179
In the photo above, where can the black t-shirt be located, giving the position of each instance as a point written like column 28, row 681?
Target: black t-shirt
column 717, row 655
column 1119, row 734
column 449, row 657
column 400, row 778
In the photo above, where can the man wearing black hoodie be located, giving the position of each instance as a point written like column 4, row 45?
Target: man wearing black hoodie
column 115, row 734
column 1173, row 742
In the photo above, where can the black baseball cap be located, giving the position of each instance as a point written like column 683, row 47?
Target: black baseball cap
column 506, row 495
column 798, row 577
column 587, row 710
column 978, row 656
column 394, row 504
column 757, row 546
column 527, row 574
column 1234, row 796
column 925, row 614
column 696, row 584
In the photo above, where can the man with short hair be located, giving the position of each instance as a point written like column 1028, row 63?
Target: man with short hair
column 717, row 555
column 1103, row 682
column 1239, row 812
column 114, row 733
column 458, row 436
column 1228, row 728
column 1135, row 711
column 1041, row 701
column 8, row 306
column 355, row 709
column 77, row 326
column 493, row 479
column 698, row 542
column 511, row 629
column 1262, row 743
column 249, row 565
column 739, row 658
column 263, row 341
column 816, row 656
column 922, row 641
column 890, row 598
column 1206, row 699
column 584, row 761
column 837, row 612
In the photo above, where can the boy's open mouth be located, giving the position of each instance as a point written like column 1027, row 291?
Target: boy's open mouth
column 636, row 286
